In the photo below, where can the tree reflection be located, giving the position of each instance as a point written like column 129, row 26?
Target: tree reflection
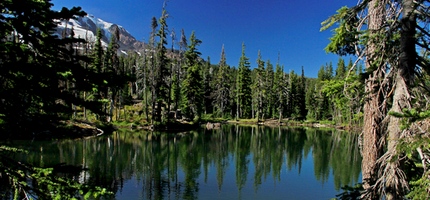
column 170, row 166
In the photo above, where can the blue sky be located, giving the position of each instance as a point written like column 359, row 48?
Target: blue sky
column 290, row 28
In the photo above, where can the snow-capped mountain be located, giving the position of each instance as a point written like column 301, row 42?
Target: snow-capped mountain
column 86, row 27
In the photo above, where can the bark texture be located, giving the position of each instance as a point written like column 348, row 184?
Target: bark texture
column 374, row 110
column 393, row 177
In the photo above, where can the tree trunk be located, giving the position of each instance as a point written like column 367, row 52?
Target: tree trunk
column 84, row 109
column 401, row 100
column 374, row 112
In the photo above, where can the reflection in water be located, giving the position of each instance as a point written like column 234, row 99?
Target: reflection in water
column 232, row 162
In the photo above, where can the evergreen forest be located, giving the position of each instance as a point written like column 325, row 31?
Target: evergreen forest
column 48, row 82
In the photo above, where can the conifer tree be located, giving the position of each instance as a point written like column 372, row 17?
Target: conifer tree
column 97, row 65
column 178, row 72
column 310, row 98
column 341, row 69
column 323, row 108
column 34, row 62
column 112, row 67
column 208, row 86
column 192, row 85
column 222, row 94
column 243, row 93
column 293, row 108
column 258, row 87
column 234, row 110
column 279, row 89
column 153, row 66
column 172, row 72
column 161, row 71
column 300, row 102
column 268, row 88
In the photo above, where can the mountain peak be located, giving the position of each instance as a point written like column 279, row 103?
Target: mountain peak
column 86, row 28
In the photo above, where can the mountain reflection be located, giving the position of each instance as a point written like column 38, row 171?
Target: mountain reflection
column 179, row 166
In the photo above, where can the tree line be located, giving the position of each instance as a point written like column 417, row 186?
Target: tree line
column 80, row 75
column 166, row 80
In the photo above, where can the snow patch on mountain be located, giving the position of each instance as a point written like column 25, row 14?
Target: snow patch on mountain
column 86, row 28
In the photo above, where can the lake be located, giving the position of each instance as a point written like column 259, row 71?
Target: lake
column 233, row 162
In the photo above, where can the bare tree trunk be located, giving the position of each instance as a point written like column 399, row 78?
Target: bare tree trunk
column 374, row 112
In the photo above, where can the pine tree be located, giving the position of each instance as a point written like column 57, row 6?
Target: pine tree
column 192, row 85
column 301, row 99
column 112, row 67
column 293, row 97
column 311, row 99
column 341, row 69
column 323, row 108
column 97, row 65
column 153, row 66
column 178, row 72
column 258, row 87
column 243, row 93
column 208, row 86
column 234, row 106
column 268, row 88
column 222, row 87
column 279, row 89
column 31, row 100
column 172, row 73
column 161, row 71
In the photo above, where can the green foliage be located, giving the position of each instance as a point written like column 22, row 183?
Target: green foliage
column 344, row 37
column 23, row 181
column 192, row 85
column 258, row 87
column 32, row 100
column 268, row 87
column 410, row 116
column 279, row 88
column 420, row 187
column 350, row 193
column 222, row 86
column 243, row 86
column 417, row 177
column 161, row 71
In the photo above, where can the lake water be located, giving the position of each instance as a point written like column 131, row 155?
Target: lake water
column 234, row 162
